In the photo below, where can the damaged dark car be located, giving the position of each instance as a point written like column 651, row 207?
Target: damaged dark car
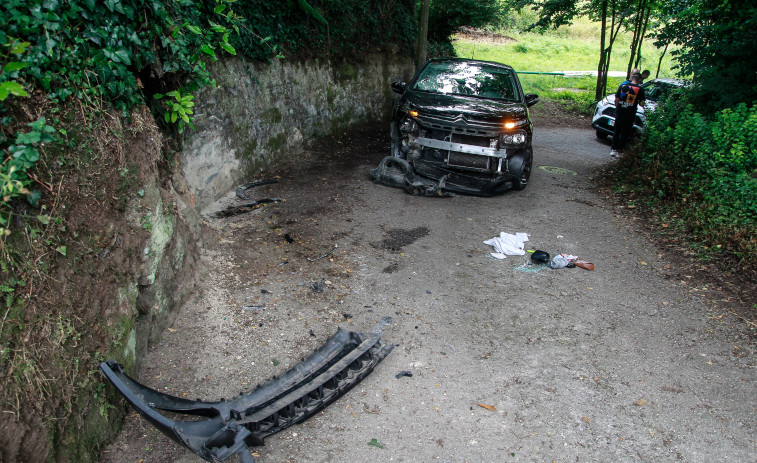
column 462, row 126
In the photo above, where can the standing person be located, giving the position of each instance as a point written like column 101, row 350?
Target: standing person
column 645, row 75
column 628, row 97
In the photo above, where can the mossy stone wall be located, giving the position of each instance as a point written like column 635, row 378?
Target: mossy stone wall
column 260, row 113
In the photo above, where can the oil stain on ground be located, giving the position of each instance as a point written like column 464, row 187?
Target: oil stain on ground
column 398, row 238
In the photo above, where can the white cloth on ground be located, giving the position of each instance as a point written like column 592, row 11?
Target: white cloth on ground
column 507, row 244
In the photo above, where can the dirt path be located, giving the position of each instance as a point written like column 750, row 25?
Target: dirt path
column 624, row 363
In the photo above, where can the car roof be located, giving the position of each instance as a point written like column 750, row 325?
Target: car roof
column 466, row 60
column 673, row 82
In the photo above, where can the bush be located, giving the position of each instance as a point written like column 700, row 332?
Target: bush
column 706, row 167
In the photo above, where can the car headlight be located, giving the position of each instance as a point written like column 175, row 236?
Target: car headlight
column 514, row 138
column 408, row 126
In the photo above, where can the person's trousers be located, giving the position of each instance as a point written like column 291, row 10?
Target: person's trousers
column 623, row 128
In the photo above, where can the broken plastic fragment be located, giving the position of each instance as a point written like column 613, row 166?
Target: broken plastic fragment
column 228, row 427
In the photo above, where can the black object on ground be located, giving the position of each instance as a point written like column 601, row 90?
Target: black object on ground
column 325, row 255
column 241, row 190
column 246, row 207
column 403, row 373
column 230, row 427
column 397, row 172
column 318, row 286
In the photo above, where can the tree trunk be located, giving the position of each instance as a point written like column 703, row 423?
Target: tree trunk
column 601, row 69
column 659, row 63
column 614, row 31
column 635, row 42
column 643, row 34
column 422, row 36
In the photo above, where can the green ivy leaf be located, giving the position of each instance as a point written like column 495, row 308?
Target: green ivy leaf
column 124, row 55
column 62, row 250
column 33, row 197
column 229, row 49
column 217, row 27
column 14, row 66
column 20, row 48
column 208, row 50
column 29, row 138
column 13, row 88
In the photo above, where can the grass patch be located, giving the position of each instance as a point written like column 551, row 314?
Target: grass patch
column 569, row 48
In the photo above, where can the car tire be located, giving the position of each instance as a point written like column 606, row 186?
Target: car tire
column 601, row 135
column 525, row 173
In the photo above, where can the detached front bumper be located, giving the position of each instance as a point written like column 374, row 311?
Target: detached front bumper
column 230, row 427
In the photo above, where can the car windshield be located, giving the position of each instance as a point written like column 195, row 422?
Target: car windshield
column 657, row 90
column 468, row 79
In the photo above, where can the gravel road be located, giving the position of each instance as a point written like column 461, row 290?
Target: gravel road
column 625, row 363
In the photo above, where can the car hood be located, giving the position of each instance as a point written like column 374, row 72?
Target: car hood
column 474, row 108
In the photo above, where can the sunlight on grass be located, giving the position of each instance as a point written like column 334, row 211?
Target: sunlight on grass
column 569, row 48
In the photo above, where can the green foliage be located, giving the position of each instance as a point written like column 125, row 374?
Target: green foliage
column 335, row 28
column 94, row 50
column 97, row 51
column 718, row 45
column 705, row 168
column 179, row 107
column 447, row 16
column 22, row 155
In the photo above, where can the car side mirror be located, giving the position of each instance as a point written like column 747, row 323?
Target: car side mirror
column 399, row 87
column 531, row 99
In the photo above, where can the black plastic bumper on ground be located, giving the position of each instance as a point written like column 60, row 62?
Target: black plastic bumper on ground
column 231, row 426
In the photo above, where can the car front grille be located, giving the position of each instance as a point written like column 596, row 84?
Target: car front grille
column 469, row 161
column 460, row 125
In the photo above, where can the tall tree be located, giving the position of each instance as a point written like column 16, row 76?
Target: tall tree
column 555, row 13
column 717, row 44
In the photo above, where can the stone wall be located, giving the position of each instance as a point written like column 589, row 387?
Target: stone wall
column 260, row 113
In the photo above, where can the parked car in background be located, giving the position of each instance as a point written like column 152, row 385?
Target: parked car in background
column 464, row 124
column 603, row 120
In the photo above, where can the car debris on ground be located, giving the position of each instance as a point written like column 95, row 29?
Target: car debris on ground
column 247, row 206
column 507, row 244
column 225, row 428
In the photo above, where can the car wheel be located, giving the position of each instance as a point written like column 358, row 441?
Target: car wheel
column 601, row 135
column 525, row 174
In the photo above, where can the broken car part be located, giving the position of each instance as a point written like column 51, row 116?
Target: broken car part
column 325, row 255
column 397, row 172
column 246, row 207
column 230, row 427
column 241, row 193
column 241, row 190
column 465, row 122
